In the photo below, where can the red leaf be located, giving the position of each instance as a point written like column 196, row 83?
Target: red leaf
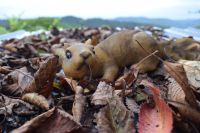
column 157, row 119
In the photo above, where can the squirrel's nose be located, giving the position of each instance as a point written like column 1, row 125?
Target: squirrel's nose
column 85, row 55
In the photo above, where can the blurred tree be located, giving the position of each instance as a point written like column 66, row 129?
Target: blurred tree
column 45, row 23
column 3, row 30
column 15, row 24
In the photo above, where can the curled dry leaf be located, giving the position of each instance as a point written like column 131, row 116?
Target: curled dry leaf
column 128, row 77
column 79, row 104
column 8, row 104
column 132, row 105
column 192, row 70
column 18, row 82
column 177, row 72
column 10, row 47
column 5, row 69
column 158, row 119
column 175, row 92
column 114, row 117
column 72, row 83
column 52, row 121
column 36, row 99
column 186, row 111
column 45, row 75
column 103, row 93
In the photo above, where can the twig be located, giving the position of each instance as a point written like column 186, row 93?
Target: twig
column 145, row 58
column 148, row 52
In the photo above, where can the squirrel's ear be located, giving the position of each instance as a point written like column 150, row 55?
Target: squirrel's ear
column 88, row 42
column 66, row 45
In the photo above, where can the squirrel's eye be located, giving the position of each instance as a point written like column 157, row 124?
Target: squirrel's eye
column 68, row 54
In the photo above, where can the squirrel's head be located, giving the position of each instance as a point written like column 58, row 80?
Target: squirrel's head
column 76, row 59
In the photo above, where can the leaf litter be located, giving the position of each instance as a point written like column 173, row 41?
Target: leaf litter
column 36, row 97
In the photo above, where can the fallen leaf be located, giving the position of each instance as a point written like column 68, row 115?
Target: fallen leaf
column 132, row 105
column 8, row 104
column 5, row 69
column 52, row 121
column 178, row 73
column 114, row 117
column 79, row 104
column 45, row 75
column 36, row 99
column 175, row 92
column 158, row 119
column 72, row 83
column 128, row 77
column 18, row 82
column 103, row 93
column 192, row 70
column 186, row 111
column 10, row 47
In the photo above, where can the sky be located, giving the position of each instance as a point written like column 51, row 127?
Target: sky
column 108, row 9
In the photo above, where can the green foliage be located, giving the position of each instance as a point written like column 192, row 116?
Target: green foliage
column 3, row 30
column 41, row 23
column 15, row 23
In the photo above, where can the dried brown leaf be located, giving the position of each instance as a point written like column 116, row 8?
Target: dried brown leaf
column 52, row 121
column 72, row 83
column 8, row 104
column 113, row 120
column 128, row 77
column 192, row 70
column 186, row 111
column 36, row 99
column 178, row 73
column 18, row 82
column 45, row 75
column 132, row 105
column 103, row 94
column 114, row 117
column 175, row 92
column 5, row 69
column 79, row 104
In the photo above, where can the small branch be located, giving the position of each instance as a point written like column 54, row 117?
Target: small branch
column 148, row 52
column 145, row 58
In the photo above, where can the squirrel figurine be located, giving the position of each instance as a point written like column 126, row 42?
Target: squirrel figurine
column 106, row 58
